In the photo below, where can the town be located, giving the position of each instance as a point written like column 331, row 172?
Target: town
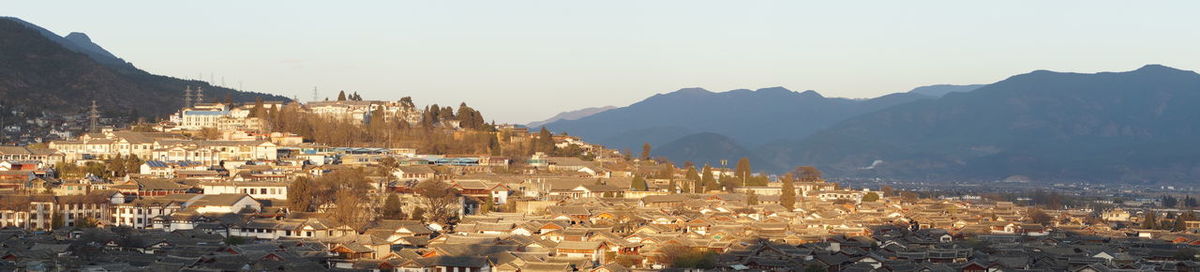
column 225, row 187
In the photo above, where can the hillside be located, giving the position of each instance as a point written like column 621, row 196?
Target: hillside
column 1136, row 126
column 748, row 118
column 44, row 72
column 705, row 148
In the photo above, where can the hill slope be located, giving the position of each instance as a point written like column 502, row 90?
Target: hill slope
column 749, row 118
column 1129, row 126
column 42, row 71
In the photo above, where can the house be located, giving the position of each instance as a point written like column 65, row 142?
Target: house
column 413, row 173
column 223, row 203
column 592, row 250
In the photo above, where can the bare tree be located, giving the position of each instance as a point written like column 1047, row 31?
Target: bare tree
column 438, row 198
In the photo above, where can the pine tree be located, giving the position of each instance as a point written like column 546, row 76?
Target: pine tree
column 743, row 169
column 341, row 96
column 870, row 197
column 646, row 151
column 639, row 184
column 691, row 180
column 1149, row 220
column 393, row 208
column 710, row 182
column 300, row 195
column 787, row 197
column 673, row 186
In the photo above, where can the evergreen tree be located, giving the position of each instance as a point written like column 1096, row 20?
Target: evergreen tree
column 300, row 195
column 710, row 182
column 692, row 180
column 56, row 220
column 870, row 197
column 751, row 197
column 743, row 169
column 393, row 208
column 673, row 186
column 646, row 151
column 1149, row 220
column 258, row 109
column 418, row 213
column 639, row 184
column 341, row 96
column 787, row 196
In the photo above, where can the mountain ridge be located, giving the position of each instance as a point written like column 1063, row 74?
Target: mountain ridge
column 44, row 72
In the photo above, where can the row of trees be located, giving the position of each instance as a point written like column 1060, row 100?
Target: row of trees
column 1171, row 222
column 118, row 166
column 389, row 130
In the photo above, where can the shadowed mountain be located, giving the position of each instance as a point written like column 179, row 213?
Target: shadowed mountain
column 705, row 148
column 1137, row 126
column 43, row 71
column 571, row 115
column 748, row 118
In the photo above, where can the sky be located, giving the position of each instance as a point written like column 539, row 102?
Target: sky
column 520, row 61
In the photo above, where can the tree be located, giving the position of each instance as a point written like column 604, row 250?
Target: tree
column 673, row 186
column 1149, row 220
column 418, row 213
column 787, row 196
column 300, row 195
column 870, row 197
column 341, row 96
column 646, row 151
column 437, row 197
column 1169, row 201
column 56, row 220
column 85, row 222
column 887, row 190
column 742, row 171
column 710, row 182
column 350, row 210
column 1038, row 216
column 234, row 240
column 908, row 196
column 808, row 174
column 258, row 110
column 1190, row 202
column 639, row 183
column 751, row 197
column 210, row 133
column 487, row 206
column 392, row 208
column 691, row 180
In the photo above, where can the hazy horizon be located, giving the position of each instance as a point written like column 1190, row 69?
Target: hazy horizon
column 528, row 60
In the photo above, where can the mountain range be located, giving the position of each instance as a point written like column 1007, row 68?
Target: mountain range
column 571, row 115
column 46, row 72
column 1135, row 126
column 739, row 120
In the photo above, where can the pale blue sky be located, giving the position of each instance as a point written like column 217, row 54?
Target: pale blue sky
column 519, row 61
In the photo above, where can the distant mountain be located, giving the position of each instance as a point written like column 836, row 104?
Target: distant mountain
column 748, row 118
column 705, row 148
column 42, row 71
column 1137, row 126
column 943, row 89
column 571, row 115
